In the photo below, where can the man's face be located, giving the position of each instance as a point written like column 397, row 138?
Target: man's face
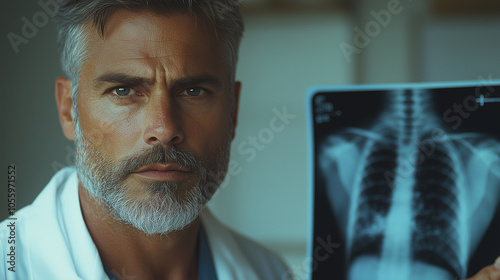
column 155, row 118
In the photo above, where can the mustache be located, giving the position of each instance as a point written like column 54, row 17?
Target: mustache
column 161, row 155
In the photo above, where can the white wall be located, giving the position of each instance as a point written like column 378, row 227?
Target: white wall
column 281, row 56
column 31, row 136
column 460, row 49
column 391, row 54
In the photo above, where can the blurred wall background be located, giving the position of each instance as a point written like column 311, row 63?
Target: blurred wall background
column 288, row 46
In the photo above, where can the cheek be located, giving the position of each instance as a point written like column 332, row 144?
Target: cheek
column 112, row 131
column 207, row 133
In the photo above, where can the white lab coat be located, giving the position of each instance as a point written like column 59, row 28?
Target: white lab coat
column 52, row 241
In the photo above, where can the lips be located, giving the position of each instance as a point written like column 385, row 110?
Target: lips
column 163, row 172
column 162, row 168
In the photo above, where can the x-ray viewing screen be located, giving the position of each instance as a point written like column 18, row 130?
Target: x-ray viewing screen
column 406, row 181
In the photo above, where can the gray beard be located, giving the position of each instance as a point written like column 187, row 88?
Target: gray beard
column 164, row 206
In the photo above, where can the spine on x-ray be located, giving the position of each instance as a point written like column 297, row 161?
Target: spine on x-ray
column 407, row 206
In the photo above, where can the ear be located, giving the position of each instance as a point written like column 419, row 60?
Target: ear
column 237, row 89
column 65, row 107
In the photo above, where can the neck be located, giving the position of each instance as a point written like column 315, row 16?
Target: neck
column 129, row 251
column 409, row 113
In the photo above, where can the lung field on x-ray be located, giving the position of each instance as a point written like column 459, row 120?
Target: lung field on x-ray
column 410, row 196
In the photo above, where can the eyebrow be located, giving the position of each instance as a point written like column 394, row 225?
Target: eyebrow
column 195, row 80
column 118, row 78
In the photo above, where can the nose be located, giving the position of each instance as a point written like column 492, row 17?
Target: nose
column 162, row 120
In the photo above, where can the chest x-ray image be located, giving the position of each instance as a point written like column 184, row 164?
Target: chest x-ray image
column 406, row 181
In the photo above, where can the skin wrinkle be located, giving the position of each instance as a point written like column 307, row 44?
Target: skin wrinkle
column 162, row 74
column 134, row 30
column 172, row 55
column 142, row 85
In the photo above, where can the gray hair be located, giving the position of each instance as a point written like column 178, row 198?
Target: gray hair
column 74, row 14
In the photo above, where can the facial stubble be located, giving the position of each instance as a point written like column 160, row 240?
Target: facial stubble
column 163, row 206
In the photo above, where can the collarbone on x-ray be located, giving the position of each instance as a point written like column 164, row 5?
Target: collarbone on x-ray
column 411, row 197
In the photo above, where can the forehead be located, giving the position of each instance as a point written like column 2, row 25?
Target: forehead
column 144, row 41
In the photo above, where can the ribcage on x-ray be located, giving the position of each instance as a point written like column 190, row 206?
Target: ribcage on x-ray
column 435, row 238
column 434, row 234
column 374, row 197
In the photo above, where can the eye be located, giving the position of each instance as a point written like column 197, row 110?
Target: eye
column 122, row 91
column 194, row 91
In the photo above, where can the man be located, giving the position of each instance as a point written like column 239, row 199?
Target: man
column 151, row 103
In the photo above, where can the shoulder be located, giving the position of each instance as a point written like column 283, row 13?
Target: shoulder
column 228, row 247
column 51, row 226
column 44, row 207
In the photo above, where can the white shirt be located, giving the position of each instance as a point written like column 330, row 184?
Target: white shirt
column 52, row 241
